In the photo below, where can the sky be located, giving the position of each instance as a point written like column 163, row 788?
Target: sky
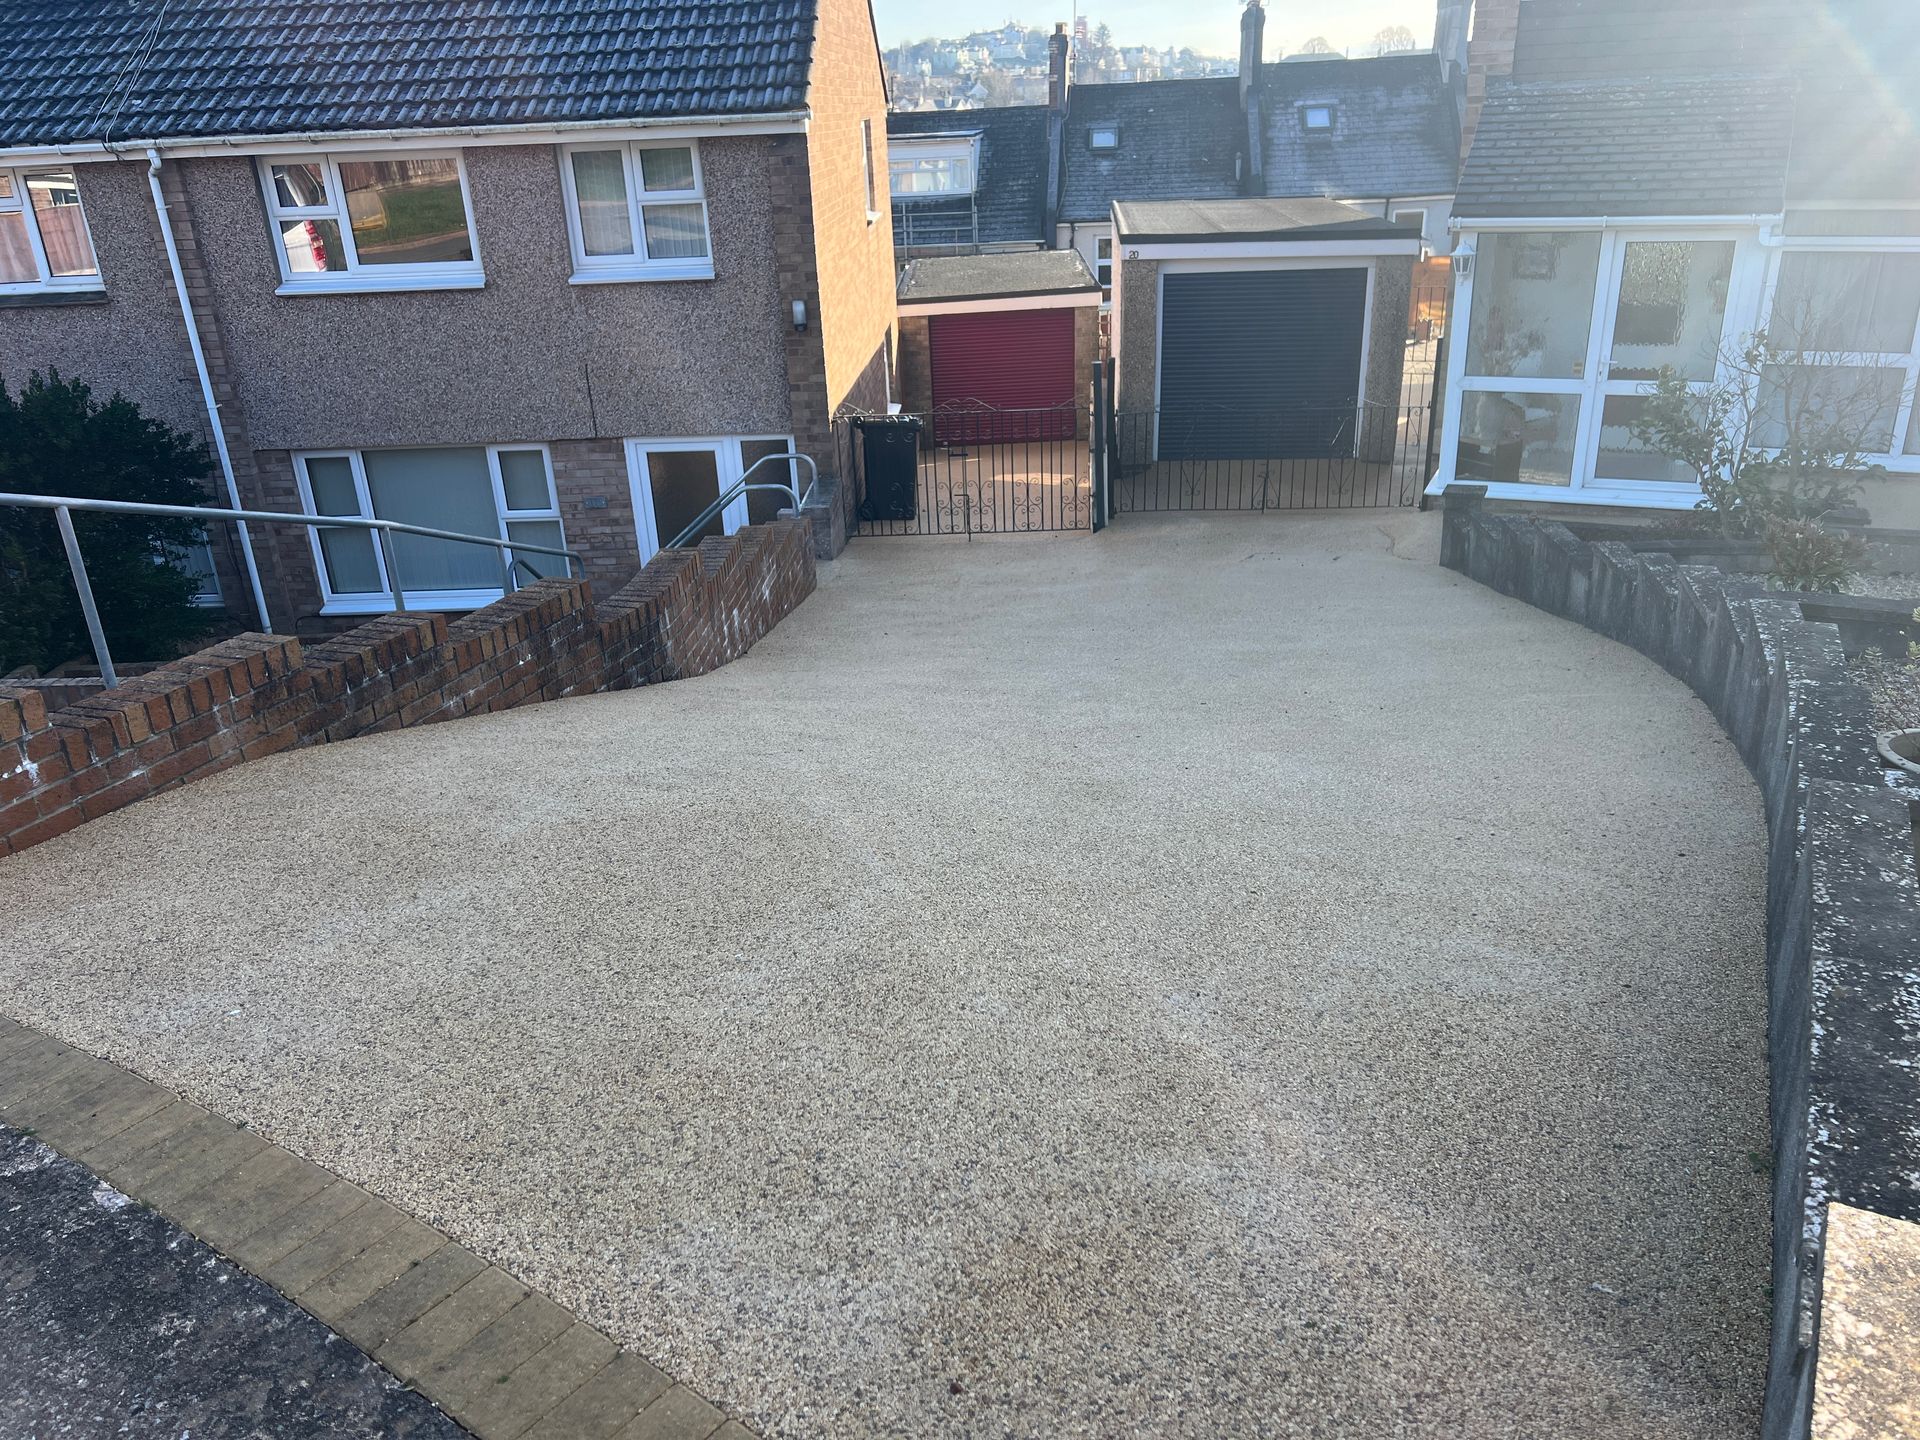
column 1209, row 26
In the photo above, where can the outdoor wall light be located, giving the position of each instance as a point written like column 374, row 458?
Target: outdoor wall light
column 799, row 317
column 1463, row 263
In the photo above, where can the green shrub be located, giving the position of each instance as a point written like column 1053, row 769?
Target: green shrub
column 1807, row 557
column 56, row 439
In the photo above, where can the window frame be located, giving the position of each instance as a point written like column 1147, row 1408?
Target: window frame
column 729, row 467
column 380, row 602
column 869, row 170
column 623, row 269
column 360, row 278
column 1906, row 419
column 1307, row 112
column 1103, row 265
column 908, row 150
column 1095, row 131
column 21, row 203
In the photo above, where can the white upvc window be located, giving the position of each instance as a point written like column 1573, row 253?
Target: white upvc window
column 1565, row 331
column 867, row 170
column 636, row 211
column 44, row 241
column 1849, row 321
column 390, row 220
column 500, row 491
column 944, row 165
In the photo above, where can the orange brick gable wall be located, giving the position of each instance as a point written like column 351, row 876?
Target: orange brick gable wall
column 854, row 256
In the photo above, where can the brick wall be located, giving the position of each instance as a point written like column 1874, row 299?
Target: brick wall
column 853, row 255
column 1496, row 25
column 687, row 612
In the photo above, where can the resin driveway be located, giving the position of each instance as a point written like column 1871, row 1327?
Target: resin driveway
column 1218, row 978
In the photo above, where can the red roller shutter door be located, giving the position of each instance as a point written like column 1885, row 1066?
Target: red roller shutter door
column 1009, row 360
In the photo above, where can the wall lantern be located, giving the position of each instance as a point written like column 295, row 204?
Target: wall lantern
column 1463, row 262
column 800, row 317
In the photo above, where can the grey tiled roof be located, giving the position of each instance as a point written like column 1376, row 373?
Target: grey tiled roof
column 1396, row 129
column 1010, row 192
column 1704, row 146
column 74, row 71
column 1019, row 273
column 1179, row 139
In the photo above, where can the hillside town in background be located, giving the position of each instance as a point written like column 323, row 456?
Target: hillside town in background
column 1008, row 64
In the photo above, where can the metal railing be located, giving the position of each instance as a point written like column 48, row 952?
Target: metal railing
column 63, row 507
column 740, row 487
column 1349, row 456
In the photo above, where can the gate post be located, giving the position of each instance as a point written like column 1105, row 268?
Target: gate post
column 1097, row 450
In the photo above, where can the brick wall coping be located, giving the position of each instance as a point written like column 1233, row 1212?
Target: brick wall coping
column 1843, row 899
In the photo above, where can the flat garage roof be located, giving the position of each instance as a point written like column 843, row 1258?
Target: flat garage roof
column 1298, row 219
column 1014, row 275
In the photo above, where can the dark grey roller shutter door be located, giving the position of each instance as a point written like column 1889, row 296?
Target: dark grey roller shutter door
column 1260, row 363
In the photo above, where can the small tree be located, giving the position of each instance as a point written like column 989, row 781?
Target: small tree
column 56, row 439
column 1772, row 438
column 1316, row 45
column 1393, row 38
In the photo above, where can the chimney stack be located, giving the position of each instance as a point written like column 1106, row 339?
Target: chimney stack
column 1253, row 25
column 1451, row 20
column 1059, row 68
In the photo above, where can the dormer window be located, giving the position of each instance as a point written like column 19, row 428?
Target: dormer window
column 1104, row 137
column 1317, row 119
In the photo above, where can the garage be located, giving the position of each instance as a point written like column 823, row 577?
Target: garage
column 1261, row 329
column 998, row 347
column 1276, row 351
column 1012, row 360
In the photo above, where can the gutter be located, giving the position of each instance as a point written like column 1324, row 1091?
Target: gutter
column 206, row 384
column 1604, row 222
column 199, row 146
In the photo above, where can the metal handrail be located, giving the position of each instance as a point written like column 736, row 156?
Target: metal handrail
column 63, row 507
column 740, row 487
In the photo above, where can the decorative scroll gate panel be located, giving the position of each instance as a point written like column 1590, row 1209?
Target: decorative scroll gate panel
column 979, row 471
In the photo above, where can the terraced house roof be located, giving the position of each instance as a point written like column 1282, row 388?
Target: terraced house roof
column 82, row 71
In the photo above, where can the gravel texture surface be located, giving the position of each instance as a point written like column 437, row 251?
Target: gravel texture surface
column 1224, row 977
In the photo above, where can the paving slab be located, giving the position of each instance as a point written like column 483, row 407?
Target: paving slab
column 1223, row 976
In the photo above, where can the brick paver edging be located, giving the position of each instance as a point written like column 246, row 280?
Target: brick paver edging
column 502, row 1359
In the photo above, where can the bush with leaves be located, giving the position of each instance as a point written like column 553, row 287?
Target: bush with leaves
column 1806, row 557
column 56, row 439
column 1771, row 439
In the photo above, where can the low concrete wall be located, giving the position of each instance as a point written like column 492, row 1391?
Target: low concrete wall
column 1843, row 908
column 685, row 613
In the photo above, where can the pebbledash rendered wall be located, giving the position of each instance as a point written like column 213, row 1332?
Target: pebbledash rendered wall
column 1843, row 904
column 685, row 613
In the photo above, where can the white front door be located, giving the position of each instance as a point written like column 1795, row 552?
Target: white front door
column 674, row 481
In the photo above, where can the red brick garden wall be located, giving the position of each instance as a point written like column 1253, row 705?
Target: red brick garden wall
column 685, row 613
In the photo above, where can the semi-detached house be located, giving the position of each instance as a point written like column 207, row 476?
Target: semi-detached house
column 540, row 270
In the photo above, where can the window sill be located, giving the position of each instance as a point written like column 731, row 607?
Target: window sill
column 380, row 284
column 417, row 600
column 638, row 274
column 51, row 295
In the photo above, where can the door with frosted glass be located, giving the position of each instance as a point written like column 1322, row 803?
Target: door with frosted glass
column 1668, row 312
column 674, row 483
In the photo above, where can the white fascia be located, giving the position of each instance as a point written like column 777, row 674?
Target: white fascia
column 1073, row 300
column 1264, row 249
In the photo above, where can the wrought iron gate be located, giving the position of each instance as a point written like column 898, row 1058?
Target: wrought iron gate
column 977, row 471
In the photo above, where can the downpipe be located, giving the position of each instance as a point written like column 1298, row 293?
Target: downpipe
column 206, row 384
